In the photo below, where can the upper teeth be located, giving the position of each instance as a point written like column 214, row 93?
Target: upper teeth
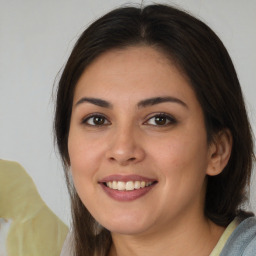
column 129, row 185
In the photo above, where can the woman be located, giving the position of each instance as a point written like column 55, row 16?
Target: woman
column 155, row 140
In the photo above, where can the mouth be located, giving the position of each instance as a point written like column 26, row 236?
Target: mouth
column 129, row 185
column 127, row 188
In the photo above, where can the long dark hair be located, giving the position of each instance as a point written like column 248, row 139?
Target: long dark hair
column 201, row 56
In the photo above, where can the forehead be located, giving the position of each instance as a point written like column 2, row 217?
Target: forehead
column 118, row 61
column 133, row 71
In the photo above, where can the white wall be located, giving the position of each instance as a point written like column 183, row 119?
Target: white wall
column 35, row 40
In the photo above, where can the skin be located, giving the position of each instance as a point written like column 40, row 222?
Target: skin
column 131, row 140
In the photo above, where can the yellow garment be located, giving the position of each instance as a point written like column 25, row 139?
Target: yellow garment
column 34, row 229
column 223, row 239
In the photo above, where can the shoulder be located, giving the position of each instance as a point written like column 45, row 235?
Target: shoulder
column 242, row 241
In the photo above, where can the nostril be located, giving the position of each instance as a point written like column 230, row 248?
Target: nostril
column 112, row 159
column 129, row 159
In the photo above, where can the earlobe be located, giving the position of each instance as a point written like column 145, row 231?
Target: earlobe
column 219, row 152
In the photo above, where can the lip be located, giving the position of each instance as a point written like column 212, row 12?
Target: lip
column 124, row 195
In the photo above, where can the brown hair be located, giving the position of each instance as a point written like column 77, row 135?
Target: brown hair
column 202, row 57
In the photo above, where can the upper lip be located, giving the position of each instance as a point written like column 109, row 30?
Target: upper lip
column 125, row 178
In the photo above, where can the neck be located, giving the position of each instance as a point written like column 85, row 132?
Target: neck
column 192, row 237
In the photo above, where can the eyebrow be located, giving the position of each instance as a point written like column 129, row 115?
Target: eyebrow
column 95, row 101
column 158, row 100
column 141, row 104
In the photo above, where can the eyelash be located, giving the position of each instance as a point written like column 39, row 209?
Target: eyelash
column 93, row 116
column 168, row 120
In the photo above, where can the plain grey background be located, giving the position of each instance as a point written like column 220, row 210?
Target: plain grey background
column 36, row 38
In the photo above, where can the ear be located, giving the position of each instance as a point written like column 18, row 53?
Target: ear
column 219, row 152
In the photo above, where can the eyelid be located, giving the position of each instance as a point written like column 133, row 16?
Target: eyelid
column 92, row 115
column 172, row 120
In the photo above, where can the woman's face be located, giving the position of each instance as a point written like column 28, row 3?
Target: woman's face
column 137, row 142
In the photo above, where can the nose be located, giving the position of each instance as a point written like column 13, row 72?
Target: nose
column 125, row 147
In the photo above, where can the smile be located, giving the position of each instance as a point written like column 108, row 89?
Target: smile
column 128, row 186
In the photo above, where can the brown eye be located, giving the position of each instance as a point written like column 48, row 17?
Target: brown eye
column 96, row 120
column 161, row 120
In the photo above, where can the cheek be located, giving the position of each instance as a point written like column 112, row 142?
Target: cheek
column 182, row 160
column 83, row 167
column 84, row 155
column 83, row 160
column 181, row 149
column 84, row 150
column 182, row 165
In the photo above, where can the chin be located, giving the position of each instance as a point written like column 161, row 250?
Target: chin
column 127, row 226
column 127, row 230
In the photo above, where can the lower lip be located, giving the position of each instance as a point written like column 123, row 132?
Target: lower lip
column 124, row 195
